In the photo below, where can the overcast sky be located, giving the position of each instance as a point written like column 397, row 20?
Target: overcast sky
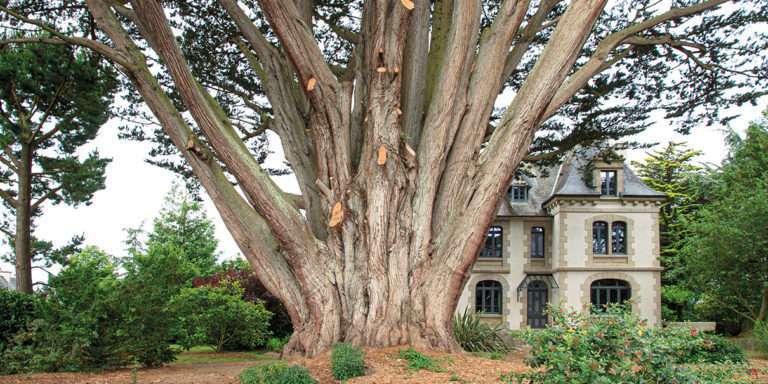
column 135, row 190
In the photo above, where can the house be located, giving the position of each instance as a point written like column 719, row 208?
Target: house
column 581, row 234
column 7, row 281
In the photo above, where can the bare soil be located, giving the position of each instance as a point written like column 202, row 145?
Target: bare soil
column 221, row 368
column 383, row 366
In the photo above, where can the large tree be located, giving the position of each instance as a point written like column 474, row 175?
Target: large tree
column 385, row 110
column 726, row 247
column 53, row 100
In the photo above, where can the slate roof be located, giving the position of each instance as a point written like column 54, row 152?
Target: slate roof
column 567, row 179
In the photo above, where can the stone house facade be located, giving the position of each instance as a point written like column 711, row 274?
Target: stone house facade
column 581, row 234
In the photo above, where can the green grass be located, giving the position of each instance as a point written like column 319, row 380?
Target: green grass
column 207, row 355
column 748, row 344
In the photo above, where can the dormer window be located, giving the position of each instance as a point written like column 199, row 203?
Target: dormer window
column 609, row 183
column 518, row 193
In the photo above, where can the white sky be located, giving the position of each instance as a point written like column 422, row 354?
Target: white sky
column 135, row 190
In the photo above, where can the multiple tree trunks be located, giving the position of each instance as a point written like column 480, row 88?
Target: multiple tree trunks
column 397, row 186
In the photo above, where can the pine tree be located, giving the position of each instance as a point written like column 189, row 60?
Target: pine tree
column 53, row 100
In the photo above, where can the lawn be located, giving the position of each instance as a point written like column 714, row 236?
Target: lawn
column 207, row 355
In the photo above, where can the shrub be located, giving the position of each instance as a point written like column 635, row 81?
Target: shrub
column 347, row 361
column 17, row 310
column 151, row 280
column 417, row 361
column 216, row 316
column 476, row 336
column 276, row 344
column 276, row 373
column 617, row 347
column 92, row 320
column 239, row 272
column 690, row 346
column 79, row 324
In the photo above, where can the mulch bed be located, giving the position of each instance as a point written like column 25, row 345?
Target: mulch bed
column 383, row 366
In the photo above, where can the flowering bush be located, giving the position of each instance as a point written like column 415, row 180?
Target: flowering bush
column 617, row 347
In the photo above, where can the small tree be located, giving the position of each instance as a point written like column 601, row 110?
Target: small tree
column 216, row 316
column 151, row 280
column 727, row 247
column 53, row 100
column 183, row 227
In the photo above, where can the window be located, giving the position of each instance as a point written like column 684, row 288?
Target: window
column 537, row 242
column 619, row 238
column 518, row 193
column 608, row 183
column 493, row 241
column 488, row 297
column 600, row 238
column 609, row 291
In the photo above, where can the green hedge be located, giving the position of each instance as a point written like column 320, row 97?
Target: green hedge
column 276, row 373
column 347, row 361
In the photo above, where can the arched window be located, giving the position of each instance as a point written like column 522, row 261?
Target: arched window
column 600, row 238
column 537, row 242
column 619, row 238
column 493, row 243
column 488, row 297
column 609, row 291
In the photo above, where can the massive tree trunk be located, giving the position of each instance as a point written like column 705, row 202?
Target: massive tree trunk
column 22, row 241
column 399, row 180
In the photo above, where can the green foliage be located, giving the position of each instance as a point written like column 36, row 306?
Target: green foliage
column 475, row 336
column 215, row 315
column 79, row 324
column 671, row 170
column 182, row 227
column 276, row 344
column 150, row 282
column 725, row 248
column 90, row 319
column 276, row 373
column 418, row 361
column 238, row 271
column 184, row 224
column 761, row 336
column 347, row 361
column 17, row 310
column 617, row 347
column 54, row 100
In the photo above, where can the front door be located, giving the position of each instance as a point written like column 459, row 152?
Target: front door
column 537, row 304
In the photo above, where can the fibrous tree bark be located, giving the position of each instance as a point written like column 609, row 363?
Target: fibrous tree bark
column 399, row 153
